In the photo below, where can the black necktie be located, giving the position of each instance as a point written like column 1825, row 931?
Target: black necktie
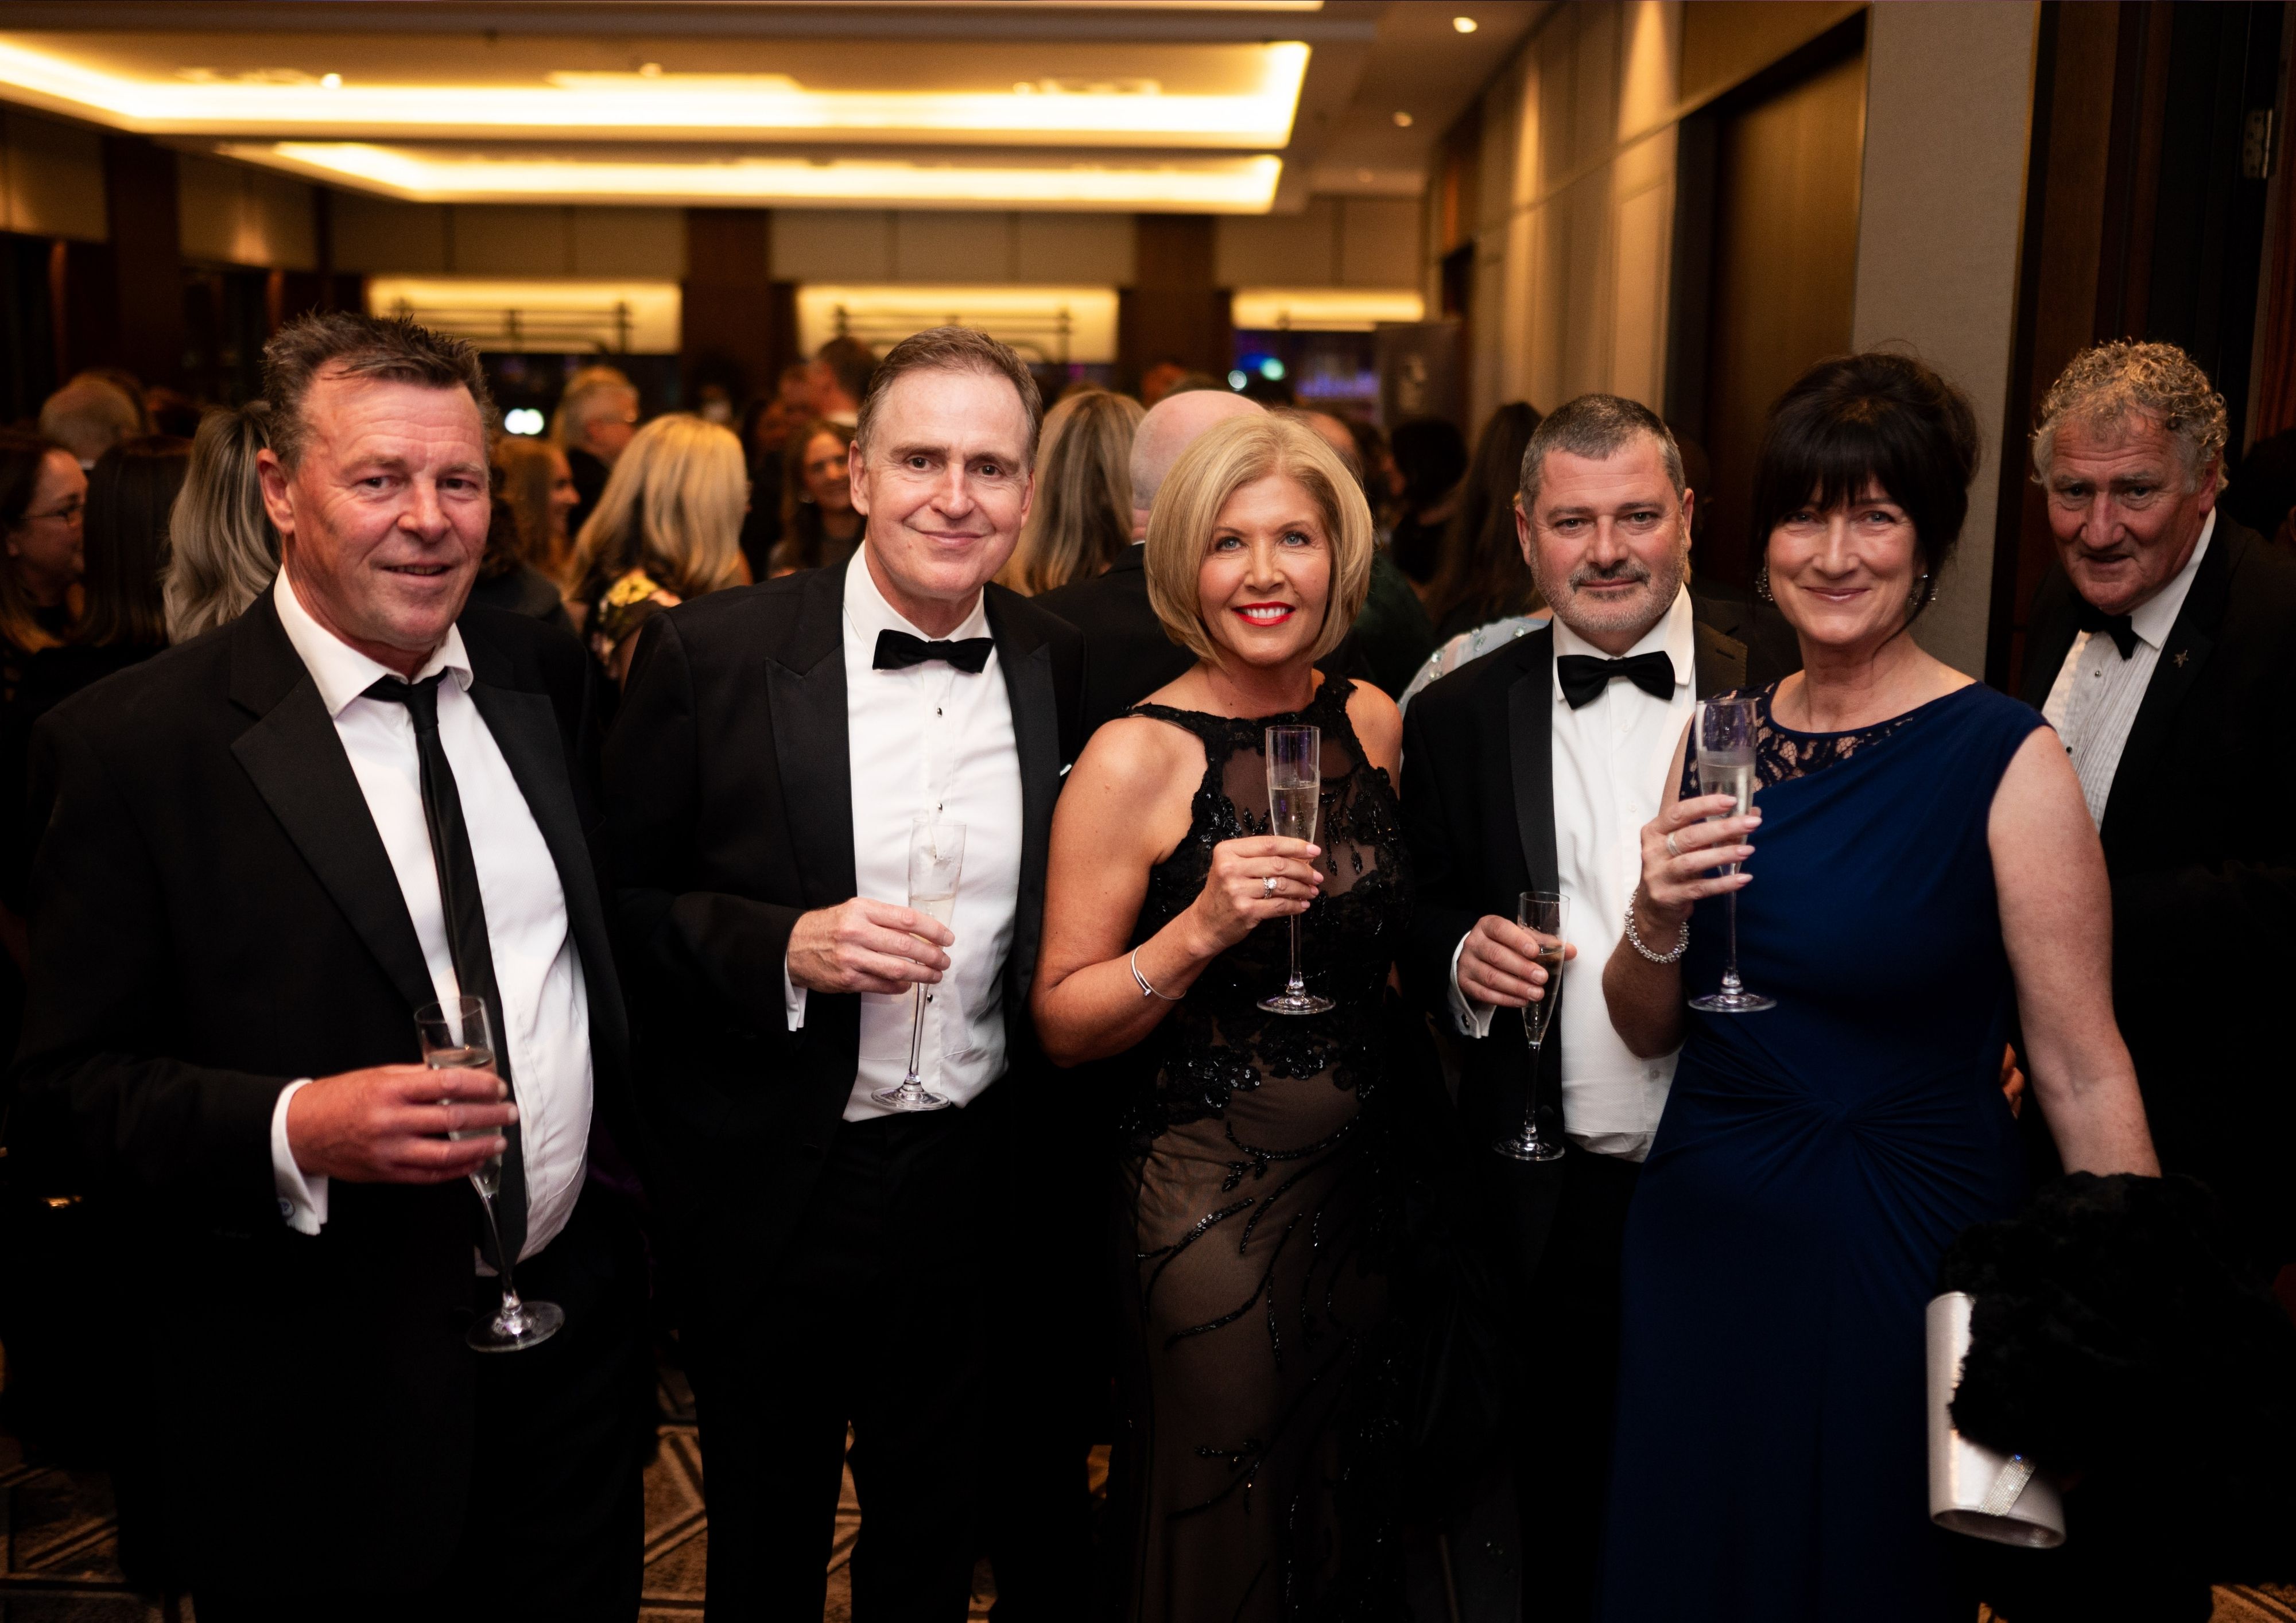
column 898, row 651
column 1583, row 676
column 2094, row 619
column 466, row 925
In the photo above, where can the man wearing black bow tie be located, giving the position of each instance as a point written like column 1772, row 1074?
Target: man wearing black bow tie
column 1534, row 768
column 2160, row 652
column 847, row 1262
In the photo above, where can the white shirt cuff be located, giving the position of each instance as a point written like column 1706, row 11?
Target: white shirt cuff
column 1474, row 1018
column 792, row 999
column 302, row 1197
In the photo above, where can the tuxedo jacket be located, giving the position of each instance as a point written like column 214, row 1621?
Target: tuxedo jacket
column 1131, row 655
column 1478, row 812
column 214, row 917
column 2196, row 841
column 730, row 812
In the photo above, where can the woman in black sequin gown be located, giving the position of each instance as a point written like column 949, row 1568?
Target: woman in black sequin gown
column 1254, row 1467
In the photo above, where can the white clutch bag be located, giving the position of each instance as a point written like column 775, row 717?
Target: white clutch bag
column 1972, row 1490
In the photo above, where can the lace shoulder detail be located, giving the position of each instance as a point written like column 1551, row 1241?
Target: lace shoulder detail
column 1782, row 754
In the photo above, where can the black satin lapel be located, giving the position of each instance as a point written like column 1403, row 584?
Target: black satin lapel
column 813, row 753
column 525, row 729
column 1036, row 739
column 1530, row 745
column 2191, row 640
column 299, row 766
column 1718, row 661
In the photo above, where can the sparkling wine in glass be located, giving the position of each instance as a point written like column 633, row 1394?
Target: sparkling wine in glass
column 458, row 1034
column 1295, row 798
column 1725, row 737
column 936, row 857
column 1546, row 916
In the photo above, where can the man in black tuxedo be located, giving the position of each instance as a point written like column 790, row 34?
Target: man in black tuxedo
column 849, row 1262
column 2163, row 651
column 264, row 851
column 1535, row 768
column 1131, row 655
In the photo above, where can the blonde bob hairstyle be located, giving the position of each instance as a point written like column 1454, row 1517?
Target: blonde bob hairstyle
column 672, row 507
column 1223, row 459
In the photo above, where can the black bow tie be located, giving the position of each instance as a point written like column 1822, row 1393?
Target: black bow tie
column 2094, row 619
column 1583, row 676
column 898, row 651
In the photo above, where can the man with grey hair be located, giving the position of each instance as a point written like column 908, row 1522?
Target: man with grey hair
column 1534, row 768
column 596, row 417
column 2160, row 651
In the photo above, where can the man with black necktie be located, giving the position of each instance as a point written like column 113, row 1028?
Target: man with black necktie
column 2160, row 651
column 846, row 1263
column 264, row 851
column 1535, row 768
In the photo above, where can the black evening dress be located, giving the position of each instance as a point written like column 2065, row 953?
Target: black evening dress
column 1254, row 1466
column 1812, row 1164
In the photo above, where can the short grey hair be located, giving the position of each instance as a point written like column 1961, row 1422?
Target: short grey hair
column 2109, row 384
column 1596, row 427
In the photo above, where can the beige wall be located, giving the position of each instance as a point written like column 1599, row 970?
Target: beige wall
column 875, row 245
column 1948, row 103
column 378, row 235
column 234, row 214
column 1334, row 241
column 51, row 178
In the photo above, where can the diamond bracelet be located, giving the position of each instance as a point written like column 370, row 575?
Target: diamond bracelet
column 1681, row 942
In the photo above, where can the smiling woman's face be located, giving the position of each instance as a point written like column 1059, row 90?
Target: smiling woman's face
column 1266, row 574
column 1844, row 575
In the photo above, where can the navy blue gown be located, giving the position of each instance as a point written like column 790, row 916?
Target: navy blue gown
column 1813, row 1163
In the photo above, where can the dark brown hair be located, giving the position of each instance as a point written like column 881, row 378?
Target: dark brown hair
column 130, row 495
column 1483, row 569
column 390, row 348
column 851, row 363
column 952, row 350
column 22, row 455
column 1882, row 417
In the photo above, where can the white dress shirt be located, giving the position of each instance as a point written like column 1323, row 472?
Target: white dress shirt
column 2093, row 702
column 538, row 969
column 1610, row 761
column 930, row 739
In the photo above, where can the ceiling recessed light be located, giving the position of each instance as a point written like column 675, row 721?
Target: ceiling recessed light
column 1403, row 121
column 331, row 81
column 1364, row 176
column 649, row 70
column 1465, row 25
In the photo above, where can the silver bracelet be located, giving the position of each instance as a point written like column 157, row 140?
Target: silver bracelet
column 1681, row 942
column 1148, row 991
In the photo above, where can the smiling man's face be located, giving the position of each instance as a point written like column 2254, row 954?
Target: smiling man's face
column 383, row 518
column 1609, row 542
column 2125, row 508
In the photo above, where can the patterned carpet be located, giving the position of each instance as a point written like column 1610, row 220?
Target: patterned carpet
column 61, row 1566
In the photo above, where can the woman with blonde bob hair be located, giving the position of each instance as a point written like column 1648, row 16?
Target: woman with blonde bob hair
column 668, row 528
column 1170, row 914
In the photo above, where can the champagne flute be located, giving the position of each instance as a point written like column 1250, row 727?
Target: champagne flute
column 1545, row 915
column 458, row 1034
column 1725, row 766
column 936, row 856
column 1295, row 797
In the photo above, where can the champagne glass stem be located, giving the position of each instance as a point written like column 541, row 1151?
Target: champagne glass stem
column 1297, row 984
column 917, row 1039
column 1530, row 1107
column 510, row 1302
column 1730, row 971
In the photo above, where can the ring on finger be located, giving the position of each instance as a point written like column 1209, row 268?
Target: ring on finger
column 1267, row 885
column 1672, row 850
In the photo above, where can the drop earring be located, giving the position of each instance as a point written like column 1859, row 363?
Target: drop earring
column 1762, row 583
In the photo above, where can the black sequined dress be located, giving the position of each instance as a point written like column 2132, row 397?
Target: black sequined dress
column 1254, row 1465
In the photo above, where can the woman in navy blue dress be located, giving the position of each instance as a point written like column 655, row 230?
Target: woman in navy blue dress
column 1921, row 872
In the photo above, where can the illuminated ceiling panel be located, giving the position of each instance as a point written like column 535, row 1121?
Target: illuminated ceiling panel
column 1213, row 185
column 1222, row 95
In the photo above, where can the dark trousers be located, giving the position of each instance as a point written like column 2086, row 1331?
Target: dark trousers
column 556, row 1524
column 873, row 1319
column 1567, row 1286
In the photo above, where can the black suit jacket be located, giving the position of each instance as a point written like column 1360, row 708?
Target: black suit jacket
column 1479, row 811
column 2203, row 874
column 730, row 814
column 1131, row 656
column 214, row 916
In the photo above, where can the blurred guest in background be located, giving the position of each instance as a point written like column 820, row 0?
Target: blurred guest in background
column 2263, row 489
column 766, row 430
column 820, row 527
column 2160, row 649
column 222, row 553
column 172, row 412
column 90, row 414
column 1916, row 876
column 1483, row 576
column 838, row 379
column 1081, row 520
column 1131, row 654
column 1392, row 633
column 535, row 478
column 1158, row 381
column 43, row 502
column 506, row 580
column 668, row 528
column 595, row 418
column 130, row 497
column 1430, row 458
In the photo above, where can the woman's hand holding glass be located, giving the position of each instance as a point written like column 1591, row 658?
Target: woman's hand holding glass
column 1682, row 848
column 1237, row 897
